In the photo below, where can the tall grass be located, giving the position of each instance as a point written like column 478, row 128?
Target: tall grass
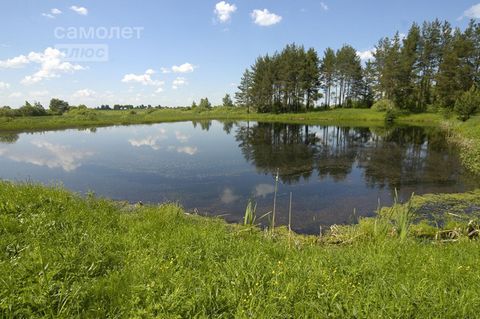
column 250, row 217
column 69, row 257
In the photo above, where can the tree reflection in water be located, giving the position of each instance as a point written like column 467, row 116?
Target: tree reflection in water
column 389, row 157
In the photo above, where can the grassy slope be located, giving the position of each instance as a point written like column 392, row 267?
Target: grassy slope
column 63, row 256
column 467, row 136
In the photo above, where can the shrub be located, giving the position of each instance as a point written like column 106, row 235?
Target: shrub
column 31, row 110
column 58, row 106
column 467, row 104
column 6, row 111
column 383, row 105
column 391, row 115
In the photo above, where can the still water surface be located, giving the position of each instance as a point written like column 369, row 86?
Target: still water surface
column 215, row 167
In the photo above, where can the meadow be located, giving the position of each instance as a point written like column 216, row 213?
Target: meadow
column 96, row 118
column 66, row 256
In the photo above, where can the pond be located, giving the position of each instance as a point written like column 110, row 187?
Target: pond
column 214, row 168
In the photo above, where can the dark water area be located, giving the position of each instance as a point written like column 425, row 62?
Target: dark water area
column 215, row 167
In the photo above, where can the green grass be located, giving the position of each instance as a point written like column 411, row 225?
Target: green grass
column 67, row 256
column 95, row 118
column 467, row 136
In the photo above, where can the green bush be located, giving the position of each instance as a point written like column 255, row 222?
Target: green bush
column 6, row 111
column 31, row 110
column 467, row 104
column 383, row 105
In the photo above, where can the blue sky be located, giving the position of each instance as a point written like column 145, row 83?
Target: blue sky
column 178, row 51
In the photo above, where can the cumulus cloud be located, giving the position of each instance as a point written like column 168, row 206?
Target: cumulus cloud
column 265, row 18
column 262, row 190
column 53, row 12
column 151, row 141
column 184, row 68
column 366, row 55
column 224, row 11
column 4, row 85
column 16, row 62
column 84, row 93
column 165, row 70
column 178, row 82
column 80, row 10
column 51, row 62
column 50, row 155
column 189, row 150
column 228, row 196
column 48, row 15
column 181, row 137
column 324, row 6
column 473, row 12
column 145, row 79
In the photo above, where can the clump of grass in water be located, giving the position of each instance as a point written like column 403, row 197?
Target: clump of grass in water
column 401, row 216
column 250, row 216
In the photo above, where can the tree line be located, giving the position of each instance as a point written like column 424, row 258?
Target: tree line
column 433, row 66
column 56, row 107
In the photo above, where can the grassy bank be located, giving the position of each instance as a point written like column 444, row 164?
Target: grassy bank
column 467, row 136
column 95, row 118
column 64, row 256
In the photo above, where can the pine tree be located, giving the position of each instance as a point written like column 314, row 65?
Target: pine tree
column 227, row 101
column 406, row 76
column 243, row 96
column 327, row 74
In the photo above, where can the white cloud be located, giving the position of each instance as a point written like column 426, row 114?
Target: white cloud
column 84, row 93
column 159, row 90
column 178, row 82
column 189, row 150
column 151, row 141
column 165, row 70
column 262, row 190
column 265, row 18
column 52, row 14
column 473, row 12
column 224, row 11
column 49, row 155
column 51, row 65
column 324, row 6
column 366, row 55
column 228, row 196
column 145, row 79
column 48, row 15
column 4, row 85
column 80, row 10
column 184, row 68
column 16, row 62
column 181, row 137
